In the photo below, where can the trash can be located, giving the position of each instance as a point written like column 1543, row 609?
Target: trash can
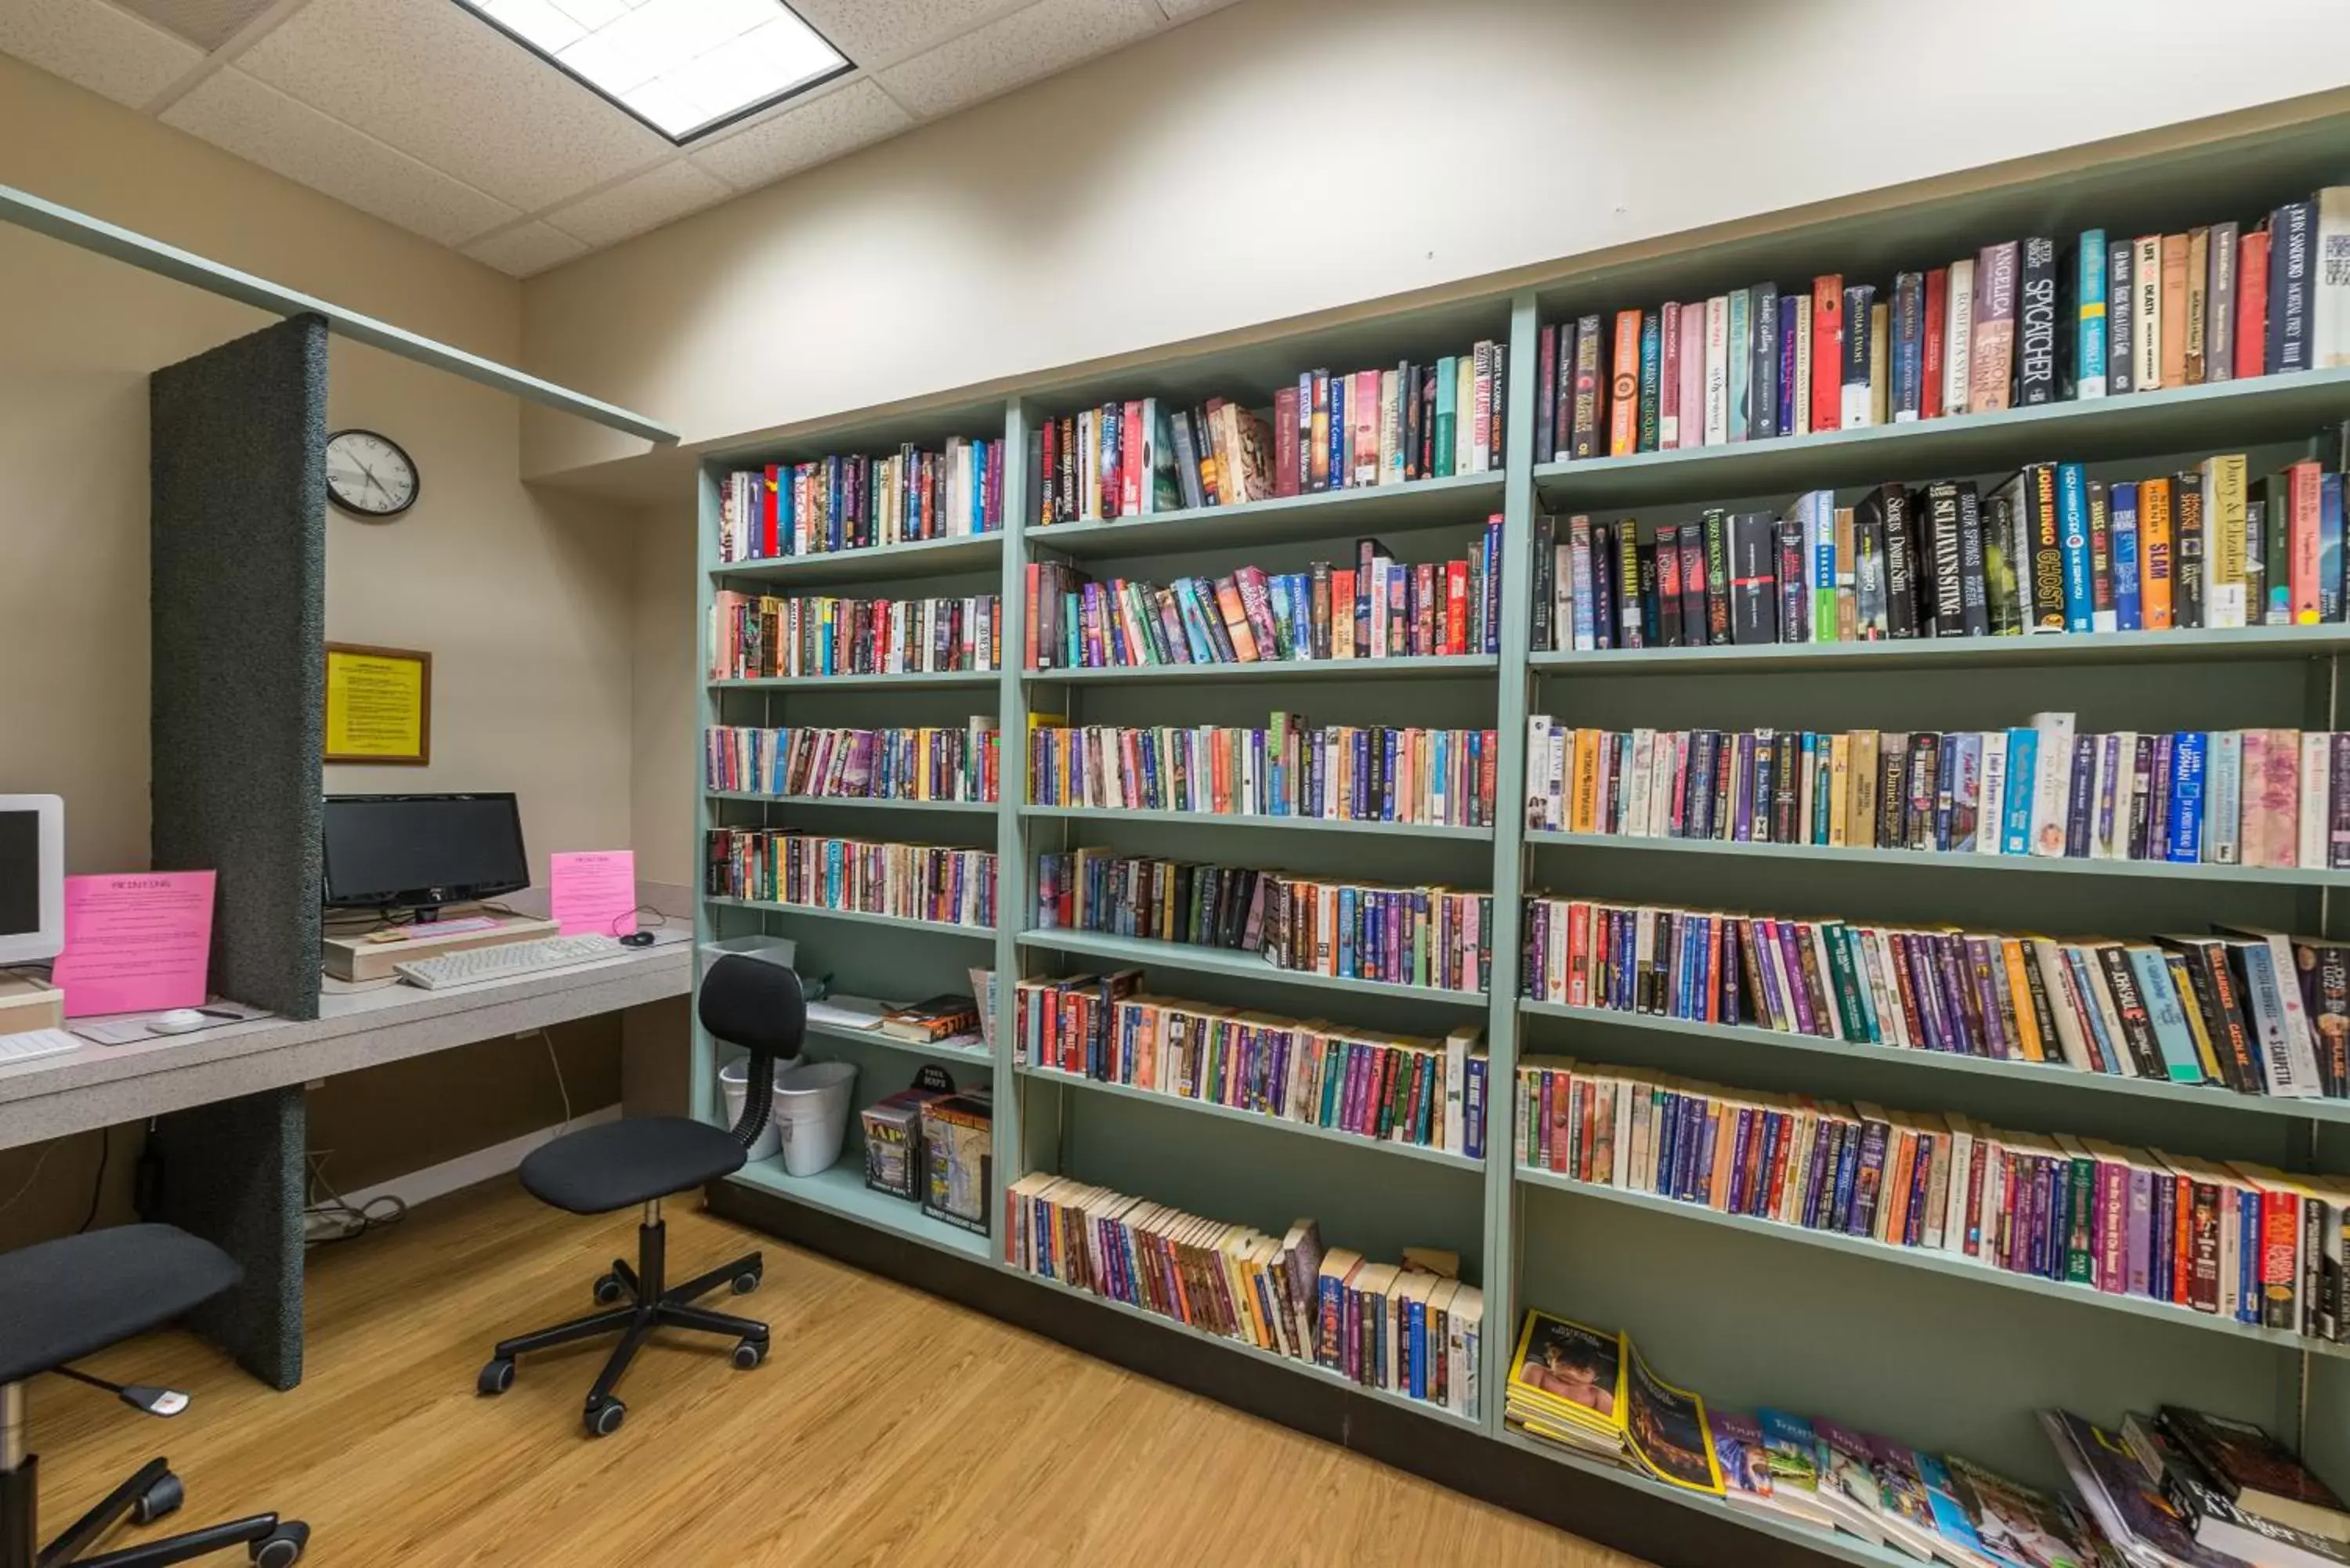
column 812, row 1106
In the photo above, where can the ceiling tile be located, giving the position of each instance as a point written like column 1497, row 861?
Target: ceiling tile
column 92, row 45
column 207, row 23
column 642, row 202
column 257, row 121
column 526, row 248
column 441, row 84
column 1031, row 43
column 802, row 135
column 876, row 32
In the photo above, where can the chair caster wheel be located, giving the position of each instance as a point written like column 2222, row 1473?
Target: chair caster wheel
column 746, row 1282
column 164, row 1496
column 497, row 1378
column 603, row 1420
column 282, row 1547
column 749, row 1352
column 609, row 1290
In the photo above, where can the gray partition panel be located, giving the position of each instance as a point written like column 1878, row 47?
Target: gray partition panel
column 237, row 467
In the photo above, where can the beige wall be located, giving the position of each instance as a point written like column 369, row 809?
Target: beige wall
column 524, row 600
column 1147, row 198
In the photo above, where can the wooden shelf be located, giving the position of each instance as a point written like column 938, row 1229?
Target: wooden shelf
column 2039, row 1075
column 1466, row 499
column 1937, row 1262
column 1144, row 954
column 1234, row 819
column 849, row 802
column 1271, row 1357
column 841, row 1190
column 818, row 911
column 1254, row 1119
column 1426, row 668
column 2209, row 417
column 973, row 1054
column 913, row 680
column 2196, row 645
column 927, row 558
column 1928, row 860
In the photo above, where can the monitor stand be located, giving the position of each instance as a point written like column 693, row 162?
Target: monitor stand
column 455, row 928
column 28, row 1005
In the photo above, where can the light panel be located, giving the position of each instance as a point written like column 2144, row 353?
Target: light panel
column 682, row 67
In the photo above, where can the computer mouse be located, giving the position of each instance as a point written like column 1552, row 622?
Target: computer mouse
column 638, row 940
column 179, row 1021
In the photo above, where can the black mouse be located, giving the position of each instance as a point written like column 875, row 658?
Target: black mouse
column 638, row 940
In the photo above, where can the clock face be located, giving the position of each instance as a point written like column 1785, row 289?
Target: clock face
column 369, row 475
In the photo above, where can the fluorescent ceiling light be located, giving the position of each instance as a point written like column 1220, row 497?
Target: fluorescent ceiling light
column 682, row 67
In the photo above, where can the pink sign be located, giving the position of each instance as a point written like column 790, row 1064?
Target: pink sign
column 593, row 892
column 136, row 943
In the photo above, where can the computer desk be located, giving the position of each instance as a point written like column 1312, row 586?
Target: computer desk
column 228, row 1109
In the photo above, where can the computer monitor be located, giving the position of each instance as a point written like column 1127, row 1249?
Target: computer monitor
column 421, row 851
column 32, row 877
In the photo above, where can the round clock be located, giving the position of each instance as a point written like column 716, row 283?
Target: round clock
column 367, row 475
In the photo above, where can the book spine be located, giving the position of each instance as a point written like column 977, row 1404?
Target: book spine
column 1624, row 389
column 2291, row 278
column 1908, row 347
column 1859, row 304
column 2036, row 326
column 1826, row 353
column 2252, row 304
column 1590, row 397
column 1993, row 348
column 1762, row 372
column 2089, row 323
column 1959, row 331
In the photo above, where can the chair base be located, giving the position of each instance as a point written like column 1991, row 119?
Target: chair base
column 150, row 1494
column 651, row 1304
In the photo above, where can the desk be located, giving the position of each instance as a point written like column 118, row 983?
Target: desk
column 228, row 1104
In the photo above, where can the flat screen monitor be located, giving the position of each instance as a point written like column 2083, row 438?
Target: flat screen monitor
column 32, row 877
column 421, row 851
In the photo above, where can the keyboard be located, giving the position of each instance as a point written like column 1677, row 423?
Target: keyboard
column 505, row 961
column 34, row 1044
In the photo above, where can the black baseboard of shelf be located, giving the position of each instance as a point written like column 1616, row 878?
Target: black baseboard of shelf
column 1592, row 1507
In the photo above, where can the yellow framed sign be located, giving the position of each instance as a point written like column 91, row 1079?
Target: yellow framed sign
column 379, row 705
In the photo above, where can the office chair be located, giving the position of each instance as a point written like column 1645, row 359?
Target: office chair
column 66, row 1299
column 643, row 1159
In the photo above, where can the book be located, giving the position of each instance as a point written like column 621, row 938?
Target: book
column 2036, row 331
column 2329, row 315
column 929, row 1022
column 2254, row 1471
column 1991, row 353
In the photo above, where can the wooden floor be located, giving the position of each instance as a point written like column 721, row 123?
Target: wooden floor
column 890, row 1426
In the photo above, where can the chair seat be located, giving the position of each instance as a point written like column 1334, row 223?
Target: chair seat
column 598, row 1170
column 64, row 1299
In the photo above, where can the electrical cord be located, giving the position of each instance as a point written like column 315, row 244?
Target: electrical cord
column 356, row 1221
column 561, row 1087
column 97, row 1182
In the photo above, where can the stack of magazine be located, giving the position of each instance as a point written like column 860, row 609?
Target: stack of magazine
column 1592, row 1392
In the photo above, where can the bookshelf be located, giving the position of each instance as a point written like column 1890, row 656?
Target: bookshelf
column 1747, row 1311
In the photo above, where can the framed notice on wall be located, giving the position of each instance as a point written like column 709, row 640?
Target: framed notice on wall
column 379, row 705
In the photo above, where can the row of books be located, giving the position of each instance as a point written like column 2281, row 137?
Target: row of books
column 2022, row 322
column 1377, row 607
column 2049, row 550
column 858, row 502
column 1434, row 936
column 2248, row 1010
column 1591, row 1391
column 1397, row 1088
column 1291, row 767
column 939, row 763
column 2237, row 1240
column 761, row 635
column 908, row 881
column 1413, row 1329
column 1326, row 432
column 2270, row 798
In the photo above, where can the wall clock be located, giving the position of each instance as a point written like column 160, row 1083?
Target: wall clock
column 369, row 475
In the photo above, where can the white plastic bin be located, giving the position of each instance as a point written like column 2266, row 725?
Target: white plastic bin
column 734, row 1082
column 766, row 950
column 812, row 1106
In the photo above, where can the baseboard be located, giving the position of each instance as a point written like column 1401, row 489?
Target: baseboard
column 472, row 1169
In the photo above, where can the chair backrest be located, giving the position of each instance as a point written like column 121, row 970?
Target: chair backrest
column 757, row 1005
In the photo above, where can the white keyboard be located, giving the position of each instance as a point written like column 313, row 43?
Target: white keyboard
column 35, row 1044
column 505, row 961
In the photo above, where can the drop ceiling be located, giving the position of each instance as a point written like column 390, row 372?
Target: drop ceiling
column 422, row 113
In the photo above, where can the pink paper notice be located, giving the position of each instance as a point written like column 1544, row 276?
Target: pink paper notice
column 136, row 943
column 593, row 893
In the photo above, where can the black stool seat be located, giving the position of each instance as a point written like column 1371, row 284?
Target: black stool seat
column 61, row 1300
column 618, row 1164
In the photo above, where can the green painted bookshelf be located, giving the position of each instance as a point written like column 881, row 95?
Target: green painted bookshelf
column 1884, row 1337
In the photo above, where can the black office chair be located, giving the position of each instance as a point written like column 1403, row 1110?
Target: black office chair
column 643, row 1159
column 69, row 1298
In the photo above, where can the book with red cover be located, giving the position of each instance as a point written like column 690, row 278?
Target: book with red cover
column 1828, row 352
column 1284, row 442
column 1624, row 389
column 1937, row 309
column 2252, row 304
